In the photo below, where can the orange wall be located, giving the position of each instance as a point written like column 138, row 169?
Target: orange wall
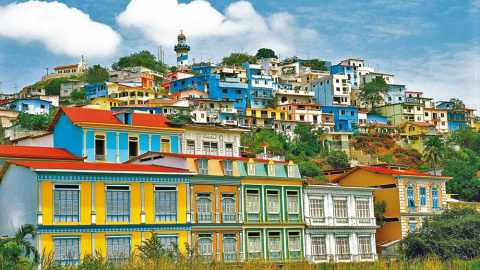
column 393, row 201
column 391, row 231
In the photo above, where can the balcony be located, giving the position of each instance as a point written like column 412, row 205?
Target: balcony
column 228, row 110
column 230, row 257
column 229, row 218
column 254, row 255
column 208, row 257
column 204, row 217
column 181, row 47
column 229, row 122
column 408, row 111
column 101, row 158
column 275, row 255
column 332, row 221
column 343, row 257
column 437, row 209
column 412, row 209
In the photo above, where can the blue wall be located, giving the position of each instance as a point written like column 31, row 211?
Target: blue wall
column 228, row 91
column 396, row 94
column 68, row 136
column 323, row 93
column 92, row 90
column 346, row 118
column 196, row 82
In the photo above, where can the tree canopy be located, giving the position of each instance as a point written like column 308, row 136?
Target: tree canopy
column 34, row 121
column 180, row 118
column 373, row 93
column 266, row 53
column 458, row 103
column 53, row 87
column 463, row 168
column 238, row 59
column 453, row 235
column 434, row 151
column 278, row 144
column 338, row 159
column 315, row 64
column 142, row 58
column 96, row 73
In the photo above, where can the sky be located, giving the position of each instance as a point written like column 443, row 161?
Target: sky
column 430, row 46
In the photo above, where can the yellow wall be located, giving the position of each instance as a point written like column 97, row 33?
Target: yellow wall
column 391, row 231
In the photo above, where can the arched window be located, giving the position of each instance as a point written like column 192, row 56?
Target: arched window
column 435, row 199
column 411, row 202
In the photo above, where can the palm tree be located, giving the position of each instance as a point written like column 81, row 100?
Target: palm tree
column 19, row 239
column 433, row 152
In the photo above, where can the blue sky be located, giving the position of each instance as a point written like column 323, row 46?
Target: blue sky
column 430, row 46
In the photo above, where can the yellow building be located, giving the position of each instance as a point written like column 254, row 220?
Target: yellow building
column 103, row 103
column 410, row 196
column 85, row 208
column 416, row 133
column 264, row 117
column 132, row 95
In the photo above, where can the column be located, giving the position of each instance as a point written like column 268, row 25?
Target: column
column 300, row 207
column 240, row 205
column 149, row 142
column 189, row 219
column 218, row 246
column 264, row 244
column 285, row 239
column 284, row 218
column 40, row 215
column 242, row 257
column 118, row 146
column 262, row 201
column 93, row 215
column 189, row 238
column 93, row 243
column 217, row 215
column 142, row 213
column 84, row 143
column 191, row 204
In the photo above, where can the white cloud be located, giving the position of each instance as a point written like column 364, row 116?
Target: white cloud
column 239, row 26
column 61, row 29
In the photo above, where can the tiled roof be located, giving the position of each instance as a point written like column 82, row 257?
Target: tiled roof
column 390, row 171
column 207, row 157
column 162, row 101
column 76, row 115
column 35, row 152
column 31, row 137
column 97, row 166
column 67, row 66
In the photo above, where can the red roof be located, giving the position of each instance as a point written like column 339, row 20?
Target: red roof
column 420, row 124
column 390, row 171
column 35, row 152
column 207, row 157
column 162, row 101
column 97, row 166
column 67, row 66
column 77, row 115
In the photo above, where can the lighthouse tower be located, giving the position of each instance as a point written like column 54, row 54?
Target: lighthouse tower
column 182, row 51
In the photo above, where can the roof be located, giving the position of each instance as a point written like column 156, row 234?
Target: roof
column 79, row 115
column 406, row 172
column 312, row 181
column 31, row 137
column 67, row 66
column 420, row 124
column 162, row 101
column 205, row 156
column 36, row 152
column 111, row 167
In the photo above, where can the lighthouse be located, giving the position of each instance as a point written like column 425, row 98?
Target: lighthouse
column 182, row 51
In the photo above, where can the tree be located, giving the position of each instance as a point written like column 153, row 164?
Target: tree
column 433, row 152
column 458, row 103
column 464, row 170
column 180, row 118
column 453, row 235
column 315, row 64
column 142, row 58
column 265, row 53
column 380, row 208
column 278, row 144
column 238, row 59
column 17, row 245
column 52, row 88
column 78, row 94
column 307, row 140
column 373, row 93
column 34, row 121
column 338, row 159
column 96, row 74
column 310, row 169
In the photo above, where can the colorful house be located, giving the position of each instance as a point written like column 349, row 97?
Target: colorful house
column 93, row 208
column 410, row 196
column 231, row 89
column 29, row 105
column 346, row 118
column 106, row 136
column 36, row 153
column 416, row 133
column 399, row 113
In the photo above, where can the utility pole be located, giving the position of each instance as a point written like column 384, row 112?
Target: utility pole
column 47, row 71
column 16, row 86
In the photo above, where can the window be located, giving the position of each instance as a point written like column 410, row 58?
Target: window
column 100, row 147
column 210, row 148
column 229, row 149
column 165, row 144
column 205, row 245
column 229, row 212
column 365, row 247
column 292, row 202
column 291, row 170
column 342, row 248
column 254, row 245
column 132, row 146
column 363, row 211
column 118, row 247
column 251, row 168
column 435, row 199
column 25, row 106
column 411, row 203
column 168, row 240
column 426, row 114
column 228, row 167
column 340, row 210
column 204, row 207
column 66, row 250
column 190, row 147
column 271, row 169
column 423, row 196
column 118, row 203
column 274, row 246
column 316, row 208
column 238, row 92
column 225, row 91
column 253, row 204
column 319, row 251
column 294, row 246
column 66, row 203
column 203, row 166
column 42, row 106
column 412, row 224
column 229, row 242
column 165, row 203
column 273, row 205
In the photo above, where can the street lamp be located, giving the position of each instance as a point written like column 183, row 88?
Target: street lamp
column 47, row 71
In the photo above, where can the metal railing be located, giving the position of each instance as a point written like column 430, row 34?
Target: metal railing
column 204, row 217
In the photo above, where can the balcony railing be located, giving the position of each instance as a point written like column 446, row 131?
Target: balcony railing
column 254, row 255
column 412, row 209
column 275, row 256
column 369, row 256
column 204, row 217
column 437, row 209
column 229, row 122
column 229, row 218
column 208, row 257
column 343, row 257
column 228, row 110
column 316, row 258
column 100, row 158
column 230, row 257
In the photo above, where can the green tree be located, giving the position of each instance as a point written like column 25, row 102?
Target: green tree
column 18, row 245
column 34, row 121
column 307, row 140
column 373, row 93
column 338, row 159
column 310, row 169
column 52, row 88
column 315, row 64
column 464, row 170
column 180, row 118
column 238, row 59
column 380, row 207
column 265, row 53
column 278, row 143
column 142, row 58
column 96, row 74
column 434, row 151
column 458, row 103
column 78, row 94
column 453, row 235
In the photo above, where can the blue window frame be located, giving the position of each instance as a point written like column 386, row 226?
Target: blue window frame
column 165, row 203
column 228, row 167
column 66, row 250
column 66, row 204
column 118, row 203
column 167, row 240
column 203, row 166
column 118, row 247
column 435, row 200
column 411, row 203
column 412, row 227
column 423, row 196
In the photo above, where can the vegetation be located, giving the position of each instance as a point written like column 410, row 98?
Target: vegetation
column 266, row 53
column 338, row 159
column 434, row 151
column 463, row 168
column 315, row 64
column 96, row 74
column 458, row 103
column 52, row 88
column 180, row 118
column 453, row 235
column 238, row 59
column 278, row 144
column 34, row 121
column 142, row 58
column 78, row 94
column 373, row 93
column 15, row 250
column 380, row 207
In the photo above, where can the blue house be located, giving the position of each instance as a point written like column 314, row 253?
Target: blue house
column 352, row 74
column 195, row 82
column 204, row 71
column 396, row 94
column 114, row 137
column 229, row 90
column 260, row 87
column 30, row 106
column 95, row 90
column 346, row 118
column 456, row 117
